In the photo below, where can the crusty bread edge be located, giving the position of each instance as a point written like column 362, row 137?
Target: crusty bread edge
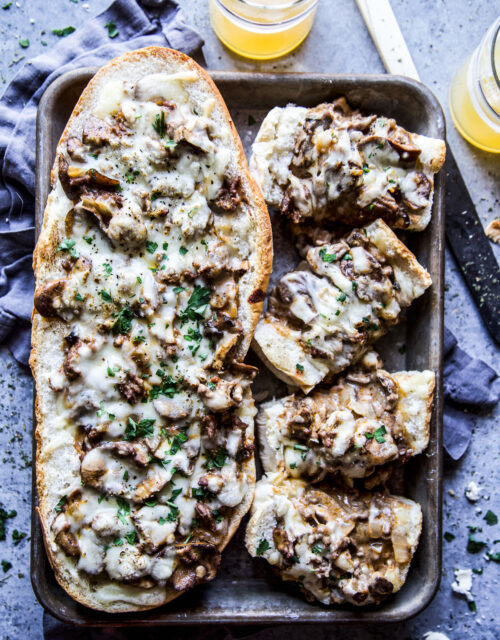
column 263, row 268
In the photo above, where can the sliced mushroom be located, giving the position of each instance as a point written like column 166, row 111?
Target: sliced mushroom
column 227, row 393
column 97, row 132
column 76, row 150
column 229, row 197
column 199, row 562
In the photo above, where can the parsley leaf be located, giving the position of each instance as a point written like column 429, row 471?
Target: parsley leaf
column 299, row 367
column 5, row 515
column 24, row 43
column 327, row 257
column 159, row 123
column 262, row 547
column 473, row 545
column 62, row 33
column 123, row 322
column 183, row 251
column 69, row 245
column 491, row 518
column 131, row 537
column 196, row 305
column 151, row 247
column 60, row 504
column 112, row 30
column 123, row 509
column 317, row 549
column 142, row 429
column 219, row 460
column 105, row 296
column 170, row 144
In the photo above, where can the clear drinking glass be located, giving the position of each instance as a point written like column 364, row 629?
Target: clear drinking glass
column 262, row 29
column 475, row 94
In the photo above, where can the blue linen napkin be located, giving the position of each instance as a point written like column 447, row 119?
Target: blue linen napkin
column 156, row 22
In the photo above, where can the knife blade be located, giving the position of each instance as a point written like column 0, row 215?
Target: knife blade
column 464, row 231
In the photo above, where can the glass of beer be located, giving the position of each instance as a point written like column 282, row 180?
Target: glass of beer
column 475, row 94
column 262, row 29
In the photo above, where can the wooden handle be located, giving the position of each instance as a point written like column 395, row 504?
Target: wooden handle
column 387, row 36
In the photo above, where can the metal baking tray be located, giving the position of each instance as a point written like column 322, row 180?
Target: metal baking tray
column 246, row 591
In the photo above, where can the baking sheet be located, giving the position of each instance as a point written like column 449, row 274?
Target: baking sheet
column 246, row 591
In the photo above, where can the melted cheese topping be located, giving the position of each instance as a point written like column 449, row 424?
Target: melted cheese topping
column 365, row 420
column 155, row 238
column 324, row 315
column 331, row 161
column 309, row 535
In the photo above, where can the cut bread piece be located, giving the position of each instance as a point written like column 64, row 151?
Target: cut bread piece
column 366, row 419
column 151, row 270
column 332, row 163
column 338, row 546
column 324, row 315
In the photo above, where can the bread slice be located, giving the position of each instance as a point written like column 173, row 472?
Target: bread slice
column 324, row 315
column 338, row 546
column 333, row 164
column 151, row 270
column 366, row 419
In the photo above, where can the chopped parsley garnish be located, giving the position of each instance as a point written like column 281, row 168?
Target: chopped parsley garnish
column 170, row 144
column 196, row 305
column 218, row 460
column 188, row 538
column 179, row 289
column 211, row 385
column 473, row 545
column 168, row 387
column 107, row 268
column 347, row 256
column 112, row 30
column 162, row 520
column 6, row 566
column 491, row 518
column 123, row 509
column 60, row 504
column 299, row 367
column 24, row 43
column 218, row 516
column 293, row 465
column 183, row 251
column 174, row 511
column 139, row 280
column 155, row 195
column 88, row 239
column 177, row 441
column 200, row 493
column 341, row 297
column 327, row 257
column 151, row 247
column 78, row 296
column 138, row 339
column 366, row 169
column 131, row 175
column 17, row 536
column 69, row 245
column 125, row 475
column 262, row 547
column 194, row 336
column 123, row 322
column 354, row 285
column 131, row 537
column 62, row 33
column 317, row 549
column 378, row 434
column 448, row 536
column 112, row 371
column 4, row 516
column 118, row 542
column 159, row 123
column 105, row 296
column 142, row 429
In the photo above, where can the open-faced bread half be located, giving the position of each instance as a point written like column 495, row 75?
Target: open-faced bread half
column 323, row 316
column 334, row 164
column 339, row 546
column 151, row 270
column 366, row 419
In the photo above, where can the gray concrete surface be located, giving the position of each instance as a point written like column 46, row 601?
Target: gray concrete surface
column 439, row 33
